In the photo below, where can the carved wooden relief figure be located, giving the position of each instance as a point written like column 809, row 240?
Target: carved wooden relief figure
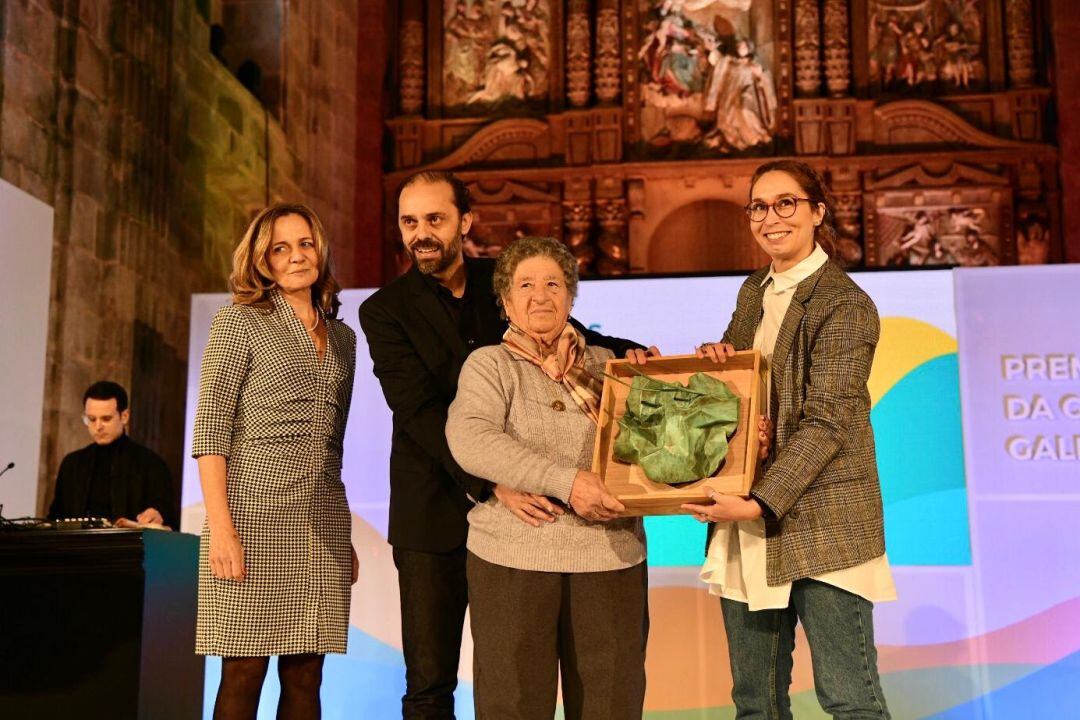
column 926, row 43
column 496, row 53
column 704, row 79
column 1032, row 236
column 940, row 231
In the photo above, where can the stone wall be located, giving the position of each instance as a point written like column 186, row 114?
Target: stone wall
column 154, row 158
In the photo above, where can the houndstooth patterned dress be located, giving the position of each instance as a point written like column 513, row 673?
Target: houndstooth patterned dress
column 278, row 416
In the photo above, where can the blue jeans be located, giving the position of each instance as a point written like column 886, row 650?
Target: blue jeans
column 840, row 630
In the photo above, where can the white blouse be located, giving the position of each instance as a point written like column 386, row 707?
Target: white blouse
column 735, row 562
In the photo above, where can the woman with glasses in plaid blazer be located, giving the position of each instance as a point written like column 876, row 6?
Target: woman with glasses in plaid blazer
column 808, row 545
column 276, row 562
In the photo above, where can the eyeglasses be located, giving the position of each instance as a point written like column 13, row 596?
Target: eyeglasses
column 784, row 207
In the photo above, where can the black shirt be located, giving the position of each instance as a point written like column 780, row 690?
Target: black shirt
column 117, row 480
column 462, row 310
column 99, row 499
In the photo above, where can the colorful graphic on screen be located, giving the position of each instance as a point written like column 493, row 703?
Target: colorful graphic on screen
column 988, row 620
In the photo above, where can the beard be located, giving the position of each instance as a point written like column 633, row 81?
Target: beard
column 447, row 255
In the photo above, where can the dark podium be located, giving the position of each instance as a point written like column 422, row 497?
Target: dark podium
column 99, row 624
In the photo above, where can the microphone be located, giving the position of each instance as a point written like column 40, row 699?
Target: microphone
column 9, row 466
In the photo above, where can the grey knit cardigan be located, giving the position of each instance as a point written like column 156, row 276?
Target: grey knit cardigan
column 504, row 426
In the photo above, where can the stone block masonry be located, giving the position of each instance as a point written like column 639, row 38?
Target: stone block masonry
column 154, row 158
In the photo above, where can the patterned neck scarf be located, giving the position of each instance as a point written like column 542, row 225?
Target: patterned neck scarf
column 566, row 365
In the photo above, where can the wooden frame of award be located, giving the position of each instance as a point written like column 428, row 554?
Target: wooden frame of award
column 641, row 496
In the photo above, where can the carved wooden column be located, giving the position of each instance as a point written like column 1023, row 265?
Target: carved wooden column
column 577, row 207
column 849, row 250
column 614, row 249
column 577, row 53
column 1020, row 44
column 408, row 129
column 823, row 125
column 614, row 258
column 579, row 122
column 608, row 69
column 607, row 118
column 807, row 47
column 848, row 198
column 577, row 224
column 412, row 57
column 837, row 48
column 1026, row 102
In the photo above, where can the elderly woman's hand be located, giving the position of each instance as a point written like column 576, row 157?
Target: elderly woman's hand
column 591, row 500
column 529, row 508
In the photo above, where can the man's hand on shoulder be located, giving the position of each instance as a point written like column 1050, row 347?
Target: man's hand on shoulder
column 529, row 508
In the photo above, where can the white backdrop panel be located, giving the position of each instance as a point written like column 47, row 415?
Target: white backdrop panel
column 26, row 236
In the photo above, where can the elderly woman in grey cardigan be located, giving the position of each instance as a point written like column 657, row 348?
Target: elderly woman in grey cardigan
column 557, row 581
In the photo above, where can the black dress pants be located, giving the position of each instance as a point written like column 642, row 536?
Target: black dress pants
column 434, row 595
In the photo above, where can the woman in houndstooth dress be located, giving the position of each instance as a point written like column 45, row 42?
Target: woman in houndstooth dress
column 276, row 562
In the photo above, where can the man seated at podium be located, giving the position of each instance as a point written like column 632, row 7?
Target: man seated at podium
column 113, row 477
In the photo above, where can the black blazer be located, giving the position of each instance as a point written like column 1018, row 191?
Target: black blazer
column 417, row 354
column 140, row 480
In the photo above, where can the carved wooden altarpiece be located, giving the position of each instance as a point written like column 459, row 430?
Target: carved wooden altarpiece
column 630, row 128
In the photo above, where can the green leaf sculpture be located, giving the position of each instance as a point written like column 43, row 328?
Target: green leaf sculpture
column 677, row 433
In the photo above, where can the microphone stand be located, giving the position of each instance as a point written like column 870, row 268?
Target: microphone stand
column 11, row 522
column 4, row 521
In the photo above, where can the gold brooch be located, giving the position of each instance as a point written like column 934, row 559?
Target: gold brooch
column 558, row 406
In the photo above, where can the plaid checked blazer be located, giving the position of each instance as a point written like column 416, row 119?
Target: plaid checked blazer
column 821, row 480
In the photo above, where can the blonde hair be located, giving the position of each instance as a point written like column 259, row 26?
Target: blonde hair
column 251, row 280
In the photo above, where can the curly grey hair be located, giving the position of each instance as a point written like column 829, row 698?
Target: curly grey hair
column 529, row 247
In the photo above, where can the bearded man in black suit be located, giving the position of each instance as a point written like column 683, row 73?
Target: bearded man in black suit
column 419, row 329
